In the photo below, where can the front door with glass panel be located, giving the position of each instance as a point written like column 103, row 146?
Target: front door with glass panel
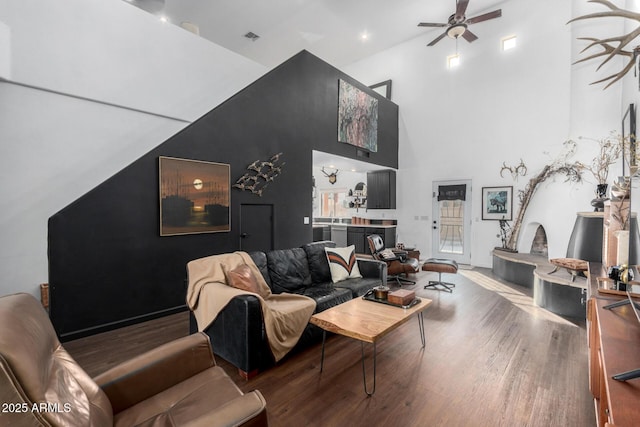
column 451, row 224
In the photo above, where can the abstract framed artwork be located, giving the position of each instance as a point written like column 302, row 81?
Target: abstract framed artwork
column 194, row 196
column 357, row 117
column 497, row 203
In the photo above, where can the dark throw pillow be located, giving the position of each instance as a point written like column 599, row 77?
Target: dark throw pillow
column 242, row 278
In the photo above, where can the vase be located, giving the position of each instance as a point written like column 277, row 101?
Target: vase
column 601, row 197
column 601, row 190
column 621, row 188
column 622, row 257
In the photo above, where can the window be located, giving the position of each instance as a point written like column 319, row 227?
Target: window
column 451, row 226
column 333, row 203
column 509, row 43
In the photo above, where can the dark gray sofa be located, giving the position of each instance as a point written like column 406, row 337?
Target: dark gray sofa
column 238, row 334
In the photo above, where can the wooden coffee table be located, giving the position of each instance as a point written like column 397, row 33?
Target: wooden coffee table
column 366, row 321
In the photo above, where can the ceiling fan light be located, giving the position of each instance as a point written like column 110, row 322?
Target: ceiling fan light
column 453, row 61
column 456, row 30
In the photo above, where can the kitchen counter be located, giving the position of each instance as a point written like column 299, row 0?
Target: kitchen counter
column 372, row 225
column 354, row 234
column 325, row 224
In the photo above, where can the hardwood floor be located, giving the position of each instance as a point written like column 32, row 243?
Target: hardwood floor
column 492, row 359
column 97, row 353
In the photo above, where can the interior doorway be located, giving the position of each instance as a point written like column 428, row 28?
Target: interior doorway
column 451, row 226
column 256, row 227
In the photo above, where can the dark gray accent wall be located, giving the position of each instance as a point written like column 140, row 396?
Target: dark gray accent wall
column 108, row 264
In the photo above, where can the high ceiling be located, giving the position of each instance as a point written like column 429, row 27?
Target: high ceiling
column 330, row 29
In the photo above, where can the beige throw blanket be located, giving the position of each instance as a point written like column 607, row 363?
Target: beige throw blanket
column 285, row 315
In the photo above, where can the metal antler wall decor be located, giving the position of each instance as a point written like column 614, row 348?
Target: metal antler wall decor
column 260, row 174
column 611, row 50
column 519, row 170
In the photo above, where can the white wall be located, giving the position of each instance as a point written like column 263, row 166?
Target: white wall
column 86, row 88
column 497, row 107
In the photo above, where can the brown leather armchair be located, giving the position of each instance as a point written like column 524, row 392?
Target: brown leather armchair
column 398, row 261
column 175, row 384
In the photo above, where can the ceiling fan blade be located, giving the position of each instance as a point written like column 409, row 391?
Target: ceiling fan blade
column 431, row 24
column 485, row 17
column 469, row 36
column 437, row 39
column 461, row 8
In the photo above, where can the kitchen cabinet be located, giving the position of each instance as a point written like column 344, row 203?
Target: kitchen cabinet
column 357, row 236
column 381, row 189
column 321, row 233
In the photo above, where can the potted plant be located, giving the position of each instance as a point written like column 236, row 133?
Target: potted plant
column 609, row 153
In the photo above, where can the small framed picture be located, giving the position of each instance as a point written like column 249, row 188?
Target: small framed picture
column 497, row 203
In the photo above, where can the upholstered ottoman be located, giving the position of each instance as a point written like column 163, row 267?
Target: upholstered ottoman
column 440, row 266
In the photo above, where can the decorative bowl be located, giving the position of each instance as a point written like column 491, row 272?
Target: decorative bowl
column 381, row 292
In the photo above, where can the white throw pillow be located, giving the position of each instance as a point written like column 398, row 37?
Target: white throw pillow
column 342, row 263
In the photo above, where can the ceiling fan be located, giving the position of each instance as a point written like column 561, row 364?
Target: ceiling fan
column 458, row 22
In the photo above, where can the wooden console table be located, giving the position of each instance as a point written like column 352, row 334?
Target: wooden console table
column 614, row 347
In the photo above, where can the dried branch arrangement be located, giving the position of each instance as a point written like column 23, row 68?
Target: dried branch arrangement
column 560, row 166
column 609, row 153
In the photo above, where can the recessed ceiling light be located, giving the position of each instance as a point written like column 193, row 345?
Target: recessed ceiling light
column 191, row 27
column 164, row 19
column 364, row 36
column 453, row 60
column 509, row 42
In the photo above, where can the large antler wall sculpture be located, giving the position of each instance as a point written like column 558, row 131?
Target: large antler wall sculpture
column 609, row 50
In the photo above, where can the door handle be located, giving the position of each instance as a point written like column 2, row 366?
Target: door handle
column 244, row 235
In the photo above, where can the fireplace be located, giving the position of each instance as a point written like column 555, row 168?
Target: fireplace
column 533, row 240
column 539, row 244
